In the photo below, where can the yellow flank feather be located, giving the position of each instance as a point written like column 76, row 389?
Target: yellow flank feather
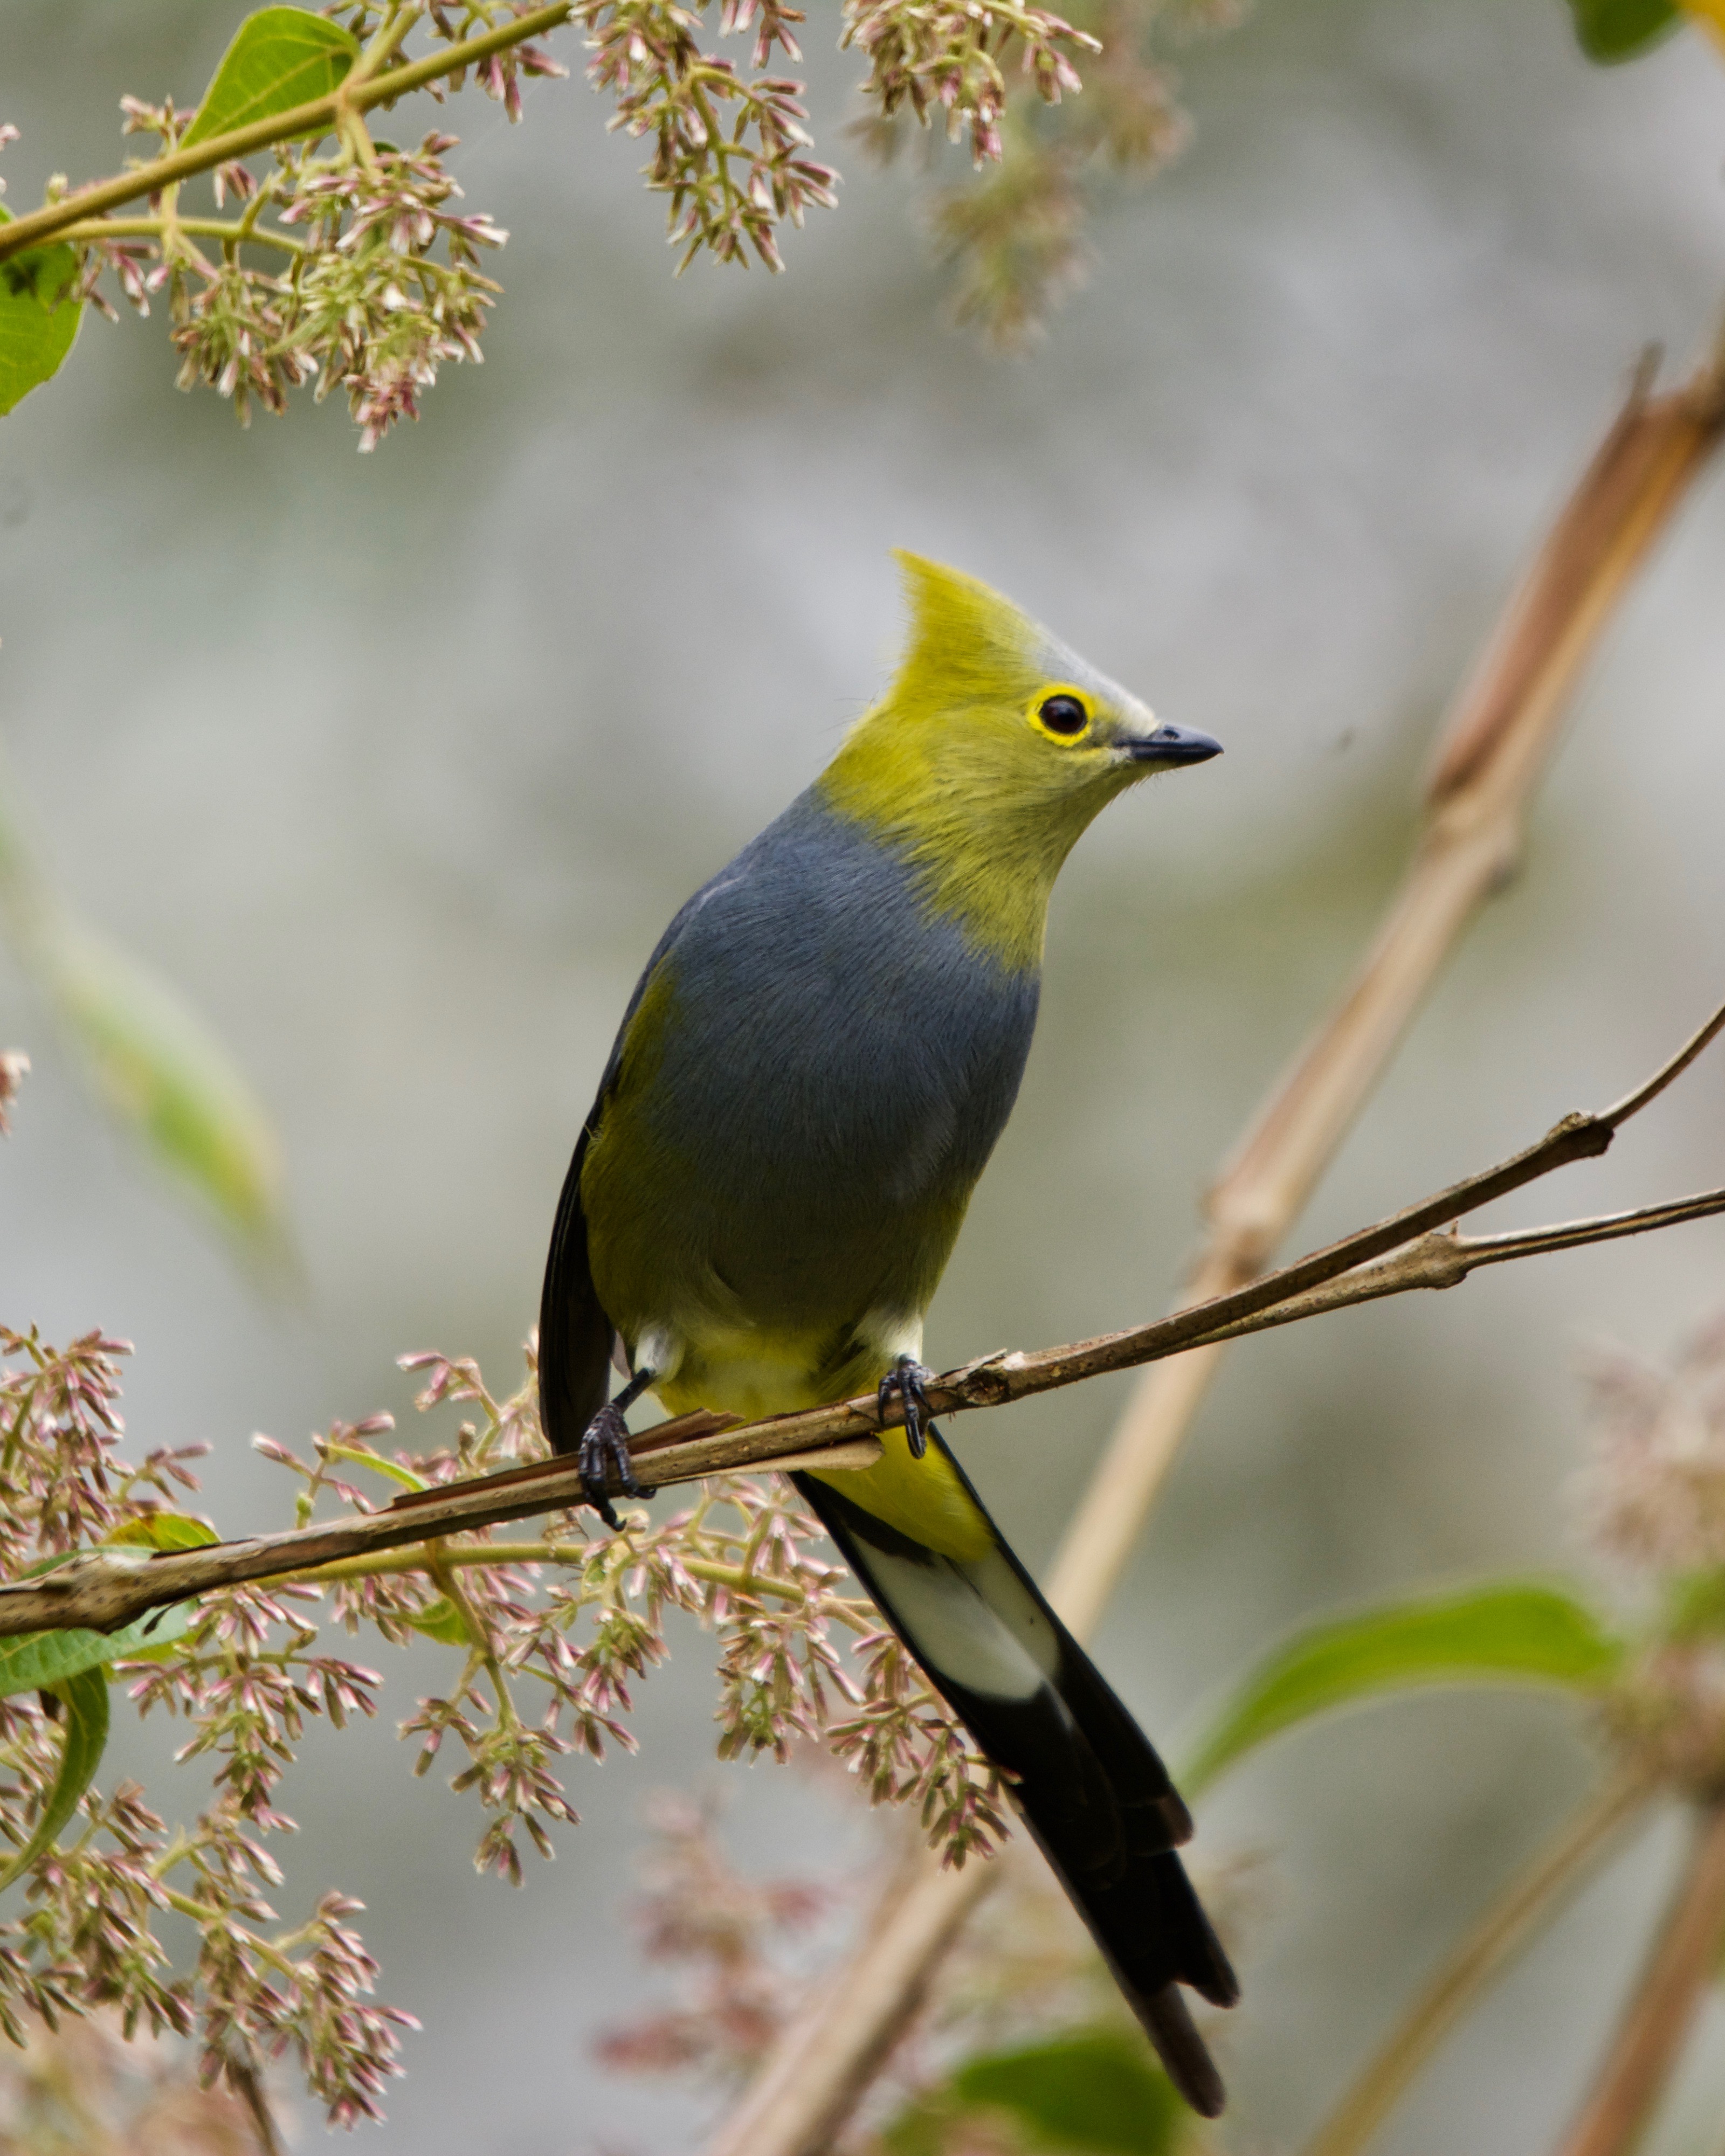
column 924, row 1499
column 955, row 767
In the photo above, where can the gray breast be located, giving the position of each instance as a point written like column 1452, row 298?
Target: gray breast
column 831, row 1045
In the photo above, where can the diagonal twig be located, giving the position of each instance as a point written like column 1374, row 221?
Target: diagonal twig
column 1490, row 758
column 105, row 1588
column 1662, row 2007
column 317, row 116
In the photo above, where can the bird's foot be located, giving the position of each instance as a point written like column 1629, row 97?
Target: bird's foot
column 603, row 1454
column 909, row 1379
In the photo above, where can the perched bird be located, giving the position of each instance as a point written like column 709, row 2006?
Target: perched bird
column 808, row 1079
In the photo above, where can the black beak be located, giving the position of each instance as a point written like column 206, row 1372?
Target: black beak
column 1172, row 745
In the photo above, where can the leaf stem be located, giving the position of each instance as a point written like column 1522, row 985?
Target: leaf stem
column 1512, row 1921
column 155, row 228
column 316, row 117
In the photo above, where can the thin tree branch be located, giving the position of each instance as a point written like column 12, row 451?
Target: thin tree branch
column 1649, row 2037
column 1512, row 1922
column 1492, row 754
column 318, row 117
column 103, row 1589
column 205, row 228
column 1490, row 758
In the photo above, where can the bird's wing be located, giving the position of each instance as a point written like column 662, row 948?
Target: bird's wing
column 576, row 1337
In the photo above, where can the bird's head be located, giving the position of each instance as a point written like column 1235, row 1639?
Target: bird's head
column 996, row 744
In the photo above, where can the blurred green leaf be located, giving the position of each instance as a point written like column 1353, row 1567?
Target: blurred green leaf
column 1518, row 1633
column 84, row 1718
column 442, row 1620
column 1611, row 30
column 279, row 58
column 166, row 1531
column 1090, row 2092
column 163, row 1073
column 37, row 322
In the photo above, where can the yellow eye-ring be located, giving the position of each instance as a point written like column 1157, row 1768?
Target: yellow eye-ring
column 1064, row 715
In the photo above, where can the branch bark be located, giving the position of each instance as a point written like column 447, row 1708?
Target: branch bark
column 1489, row 759
column 1650, row 2035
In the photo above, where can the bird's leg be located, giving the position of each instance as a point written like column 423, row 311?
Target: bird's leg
column 909, row 1378
column 604, row 1452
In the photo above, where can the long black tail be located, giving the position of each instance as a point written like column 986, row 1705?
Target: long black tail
column 1087, row 1779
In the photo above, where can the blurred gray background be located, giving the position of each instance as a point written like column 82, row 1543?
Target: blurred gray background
column 397, row 764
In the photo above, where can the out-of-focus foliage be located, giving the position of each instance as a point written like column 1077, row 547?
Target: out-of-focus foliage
column 165, row 1077
column 156, row 1067
column 725, row 1936
column 1085, row 2093
column 1030, row 2050
column 1515, row 1633
column 1622, row 29
column 84, row 2089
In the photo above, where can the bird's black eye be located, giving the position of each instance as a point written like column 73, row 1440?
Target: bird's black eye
column 1064, row 716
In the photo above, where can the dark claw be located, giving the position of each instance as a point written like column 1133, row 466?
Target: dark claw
column 909, row 1379
column 603, row 1454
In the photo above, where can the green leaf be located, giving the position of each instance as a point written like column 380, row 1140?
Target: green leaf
column 1518, row 1633
column 42, row 1661
column 166, row 1531
column 37, row 322
column 442, row 1620
column 279, row 58
column 1612, row 30
column 1095, row 2090
column 163, row 1073
column 84, row 1717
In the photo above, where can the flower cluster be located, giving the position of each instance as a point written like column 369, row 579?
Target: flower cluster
column 726, row 151
column 932, row 54
column 241, row 1673
column 365, row 301
column 345, row 265
column 550, row 1638
column 1013, row 235
column 62, row 1484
